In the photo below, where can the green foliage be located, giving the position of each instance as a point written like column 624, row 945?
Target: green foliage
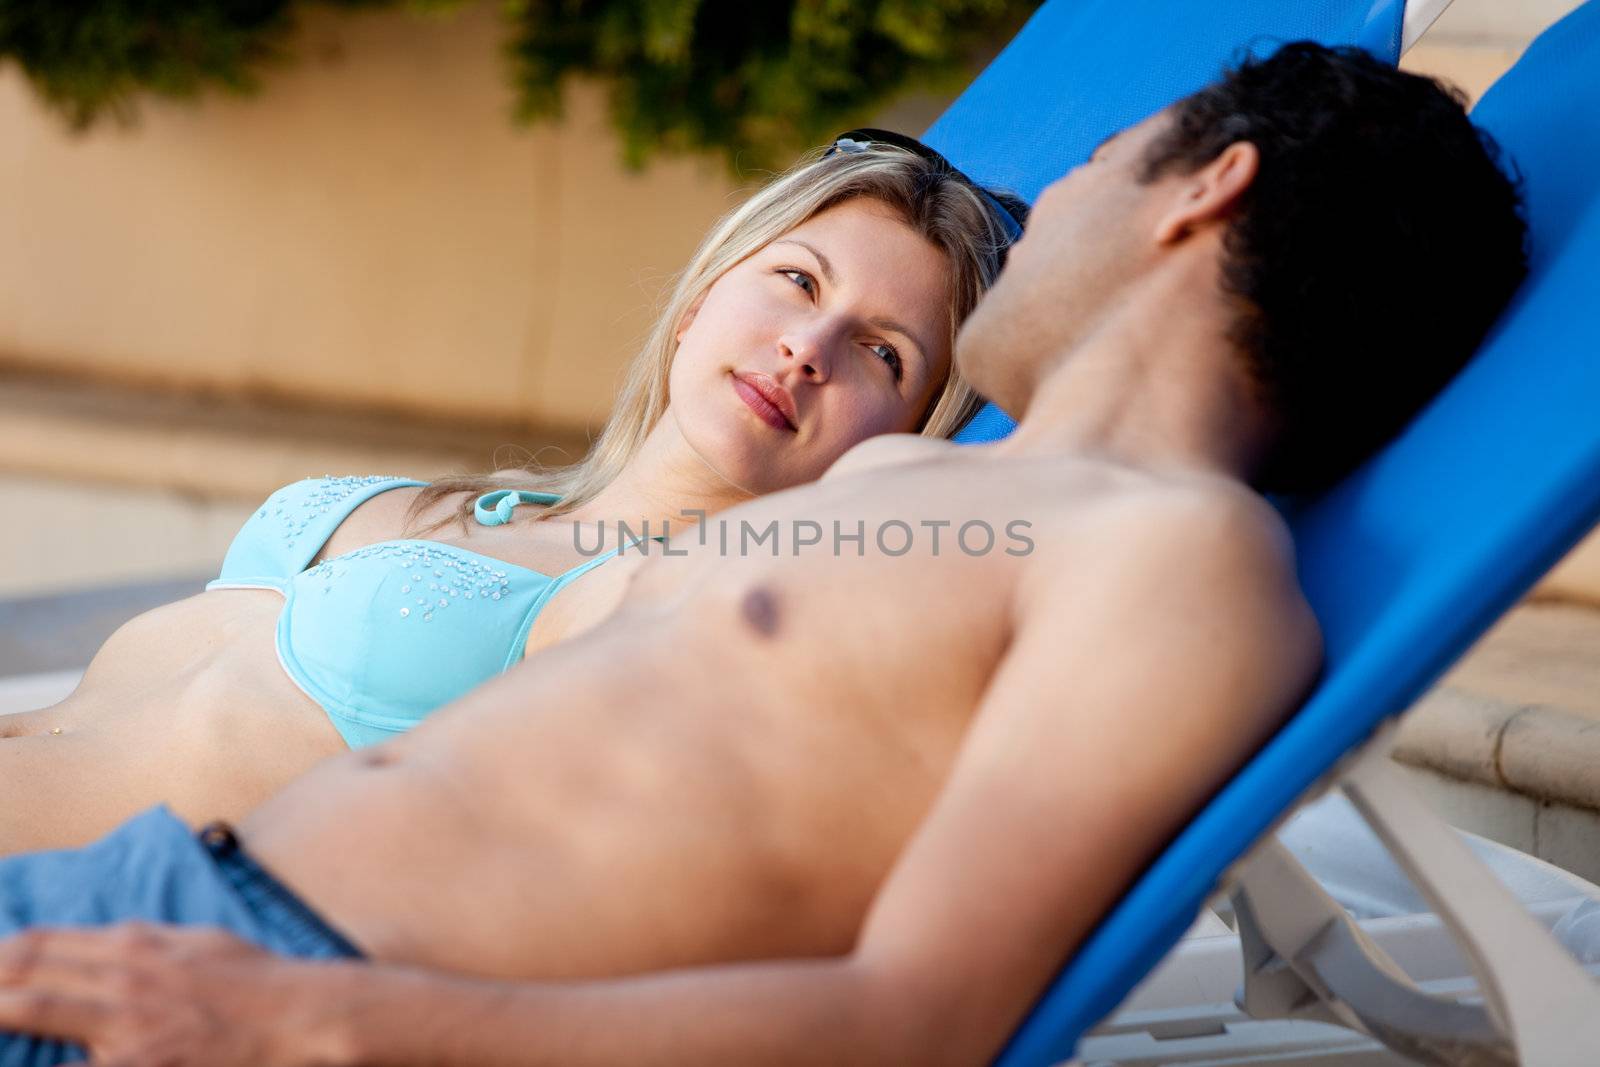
column 90, row 58
column 754, row 79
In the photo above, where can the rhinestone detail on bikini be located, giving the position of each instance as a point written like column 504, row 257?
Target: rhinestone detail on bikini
column 450, row 576
column 328, row 493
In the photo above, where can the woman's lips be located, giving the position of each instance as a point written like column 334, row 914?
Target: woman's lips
column 769, row 400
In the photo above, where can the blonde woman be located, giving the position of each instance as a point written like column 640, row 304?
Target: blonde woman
column 820, row 313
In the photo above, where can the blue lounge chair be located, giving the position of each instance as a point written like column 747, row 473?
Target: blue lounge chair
column 1406, row 562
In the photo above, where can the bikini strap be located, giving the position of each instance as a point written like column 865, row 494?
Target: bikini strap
column 494, row 509
column 558, row 583
column 634, row 544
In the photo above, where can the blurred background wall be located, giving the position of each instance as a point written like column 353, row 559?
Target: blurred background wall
column 367, row 267
column 370, row 231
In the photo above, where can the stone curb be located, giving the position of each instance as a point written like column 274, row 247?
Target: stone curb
column 1553, row 755
column 1541, row 752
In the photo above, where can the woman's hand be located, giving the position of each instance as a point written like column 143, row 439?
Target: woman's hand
column 138, row 995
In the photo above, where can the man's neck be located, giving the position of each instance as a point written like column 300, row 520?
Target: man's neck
column 1155, row 384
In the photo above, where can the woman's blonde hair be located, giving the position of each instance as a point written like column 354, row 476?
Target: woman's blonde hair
column 940, row 206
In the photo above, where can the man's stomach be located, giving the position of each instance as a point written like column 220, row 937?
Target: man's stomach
column 612, row 806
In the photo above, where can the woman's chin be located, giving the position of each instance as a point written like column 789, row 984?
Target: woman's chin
column 760, row 478
column 741, row 455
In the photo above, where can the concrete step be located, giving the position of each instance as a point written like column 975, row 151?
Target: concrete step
column 238, row 447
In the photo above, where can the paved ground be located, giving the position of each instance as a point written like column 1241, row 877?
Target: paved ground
column 61, row 536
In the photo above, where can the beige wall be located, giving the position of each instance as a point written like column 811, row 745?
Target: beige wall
column 1474, row 41
column 372, row 228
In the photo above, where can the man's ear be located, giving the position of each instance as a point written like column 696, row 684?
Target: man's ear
column 688, row 317
column 1210, row 193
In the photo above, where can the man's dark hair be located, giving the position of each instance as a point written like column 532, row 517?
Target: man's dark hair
column 1377, row 244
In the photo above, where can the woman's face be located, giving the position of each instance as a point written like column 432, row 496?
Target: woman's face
column 835, row 332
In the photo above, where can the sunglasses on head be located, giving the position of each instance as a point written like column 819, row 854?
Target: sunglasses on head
column 860, row 140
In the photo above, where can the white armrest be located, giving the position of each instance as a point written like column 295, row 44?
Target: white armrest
column 1420, row 14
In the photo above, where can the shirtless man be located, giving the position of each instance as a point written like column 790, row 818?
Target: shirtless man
column 839, row 804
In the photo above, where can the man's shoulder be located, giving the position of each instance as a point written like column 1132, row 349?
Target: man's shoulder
column 1186, row 579
column 1207, row 517
column 1196, row 539
column 890, row 449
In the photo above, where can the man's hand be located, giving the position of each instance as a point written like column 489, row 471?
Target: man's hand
column 139, row 995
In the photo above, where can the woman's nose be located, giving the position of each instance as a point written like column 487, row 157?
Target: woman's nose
column 810, row 352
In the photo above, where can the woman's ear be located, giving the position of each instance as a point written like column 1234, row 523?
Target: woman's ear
column 688, row 317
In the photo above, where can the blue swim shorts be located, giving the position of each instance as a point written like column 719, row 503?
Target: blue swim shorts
column 155, row 869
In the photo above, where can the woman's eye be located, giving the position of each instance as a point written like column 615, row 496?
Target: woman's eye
column 799, row 278
column 888, row 354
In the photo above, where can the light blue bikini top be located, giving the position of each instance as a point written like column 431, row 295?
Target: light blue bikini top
column 385, row 634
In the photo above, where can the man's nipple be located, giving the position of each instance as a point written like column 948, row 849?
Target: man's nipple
column 760, row 611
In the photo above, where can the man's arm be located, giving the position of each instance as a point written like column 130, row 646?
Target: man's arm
column 1131, row 689
column 150, row 996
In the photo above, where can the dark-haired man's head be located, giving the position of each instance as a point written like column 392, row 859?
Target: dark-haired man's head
column 1363, row 239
